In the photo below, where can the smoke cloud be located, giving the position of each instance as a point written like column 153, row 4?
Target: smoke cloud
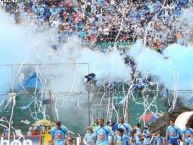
column 173, row 68
column 62, row 70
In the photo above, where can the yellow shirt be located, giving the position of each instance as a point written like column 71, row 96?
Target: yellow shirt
column 47, row 138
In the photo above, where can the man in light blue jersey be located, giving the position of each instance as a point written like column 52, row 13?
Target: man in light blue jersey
column 186, row 133
column 109, row 125
column 158, row 139
column 121, row 138
column 173, row 134
column 137, row 135
column 102, row 134
column 146, row 135
column 125, row 126
column 59, row 134
column 190, row 140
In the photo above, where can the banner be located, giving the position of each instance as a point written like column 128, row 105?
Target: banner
column 22, row 140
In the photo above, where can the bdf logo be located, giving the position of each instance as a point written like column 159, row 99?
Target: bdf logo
column 15, row 142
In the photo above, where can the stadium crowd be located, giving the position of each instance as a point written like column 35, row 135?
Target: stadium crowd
column 116, row 23
column 156, row 22
column 104, row 21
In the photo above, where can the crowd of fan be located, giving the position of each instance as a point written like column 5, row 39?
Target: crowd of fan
column 97, row 21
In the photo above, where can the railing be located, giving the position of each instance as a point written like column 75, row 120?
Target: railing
column 104, row 46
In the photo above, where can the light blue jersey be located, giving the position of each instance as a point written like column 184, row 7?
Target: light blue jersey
column 111, row 133
column 89, row 138
column 101, row 135
column 158, row 141
column 121, row 140
column 59, row 135
column 137, row 134
column 146, row 134
column 126, row 127
column 189, row 141
column 139, row 143
column 186, row 133
column 173, row 132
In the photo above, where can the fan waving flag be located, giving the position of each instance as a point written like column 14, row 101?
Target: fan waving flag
column 149, row 117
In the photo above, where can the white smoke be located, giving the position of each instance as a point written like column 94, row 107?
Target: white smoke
column 21, row 45
column 62, row 71
column 173, row 68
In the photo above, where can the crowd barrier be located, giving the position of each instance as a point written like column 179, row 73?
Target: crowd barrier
column 106, row 45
